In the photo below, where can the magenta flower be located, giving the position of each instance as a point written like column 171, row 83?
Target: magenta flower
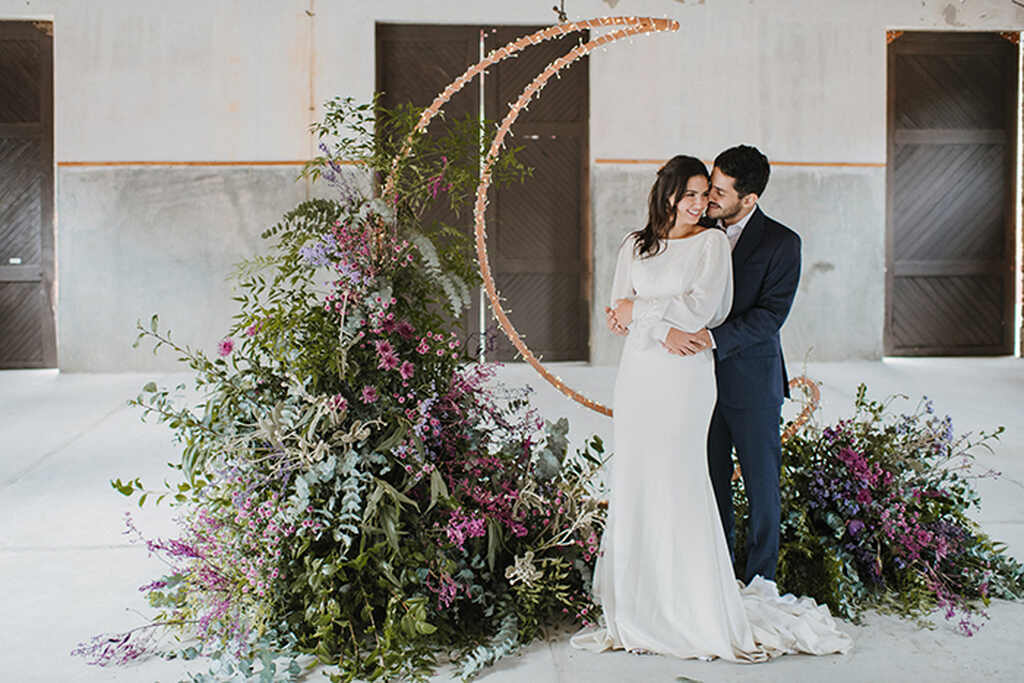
column 422, row 348
column 369, row 394
column 225, row 347
column 252, row 330
column 407, row 370
column 338, row 403
column 405, row 329
column 388, row 361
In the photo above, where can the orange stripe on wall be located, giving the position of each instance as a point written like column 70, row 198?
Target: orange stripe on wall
column 191, row 163
column 649, row 162
column 658, row 162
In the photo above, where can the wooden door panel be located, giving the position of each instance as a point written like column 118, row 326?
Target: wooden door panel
column 537, row 230
column 538, row 221
column 563, row 98
column 544, row 309
column 940, row 313
column 27, row 310
column 20, row 202
column 944, row 207
column 952, row 99
column 20, row 79
column 23, row 306
column 414, row 64
column 951, row 91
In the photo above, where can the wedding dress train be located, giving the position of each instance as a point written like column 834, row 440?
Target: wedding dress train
column 663, row 576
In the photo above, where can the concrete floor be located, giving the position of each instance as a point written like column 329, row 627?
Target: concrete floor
column 67, row 572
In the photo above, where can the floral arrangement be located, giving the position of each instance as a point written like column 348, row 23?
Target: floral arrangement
column 354, row 493
column 875, row 515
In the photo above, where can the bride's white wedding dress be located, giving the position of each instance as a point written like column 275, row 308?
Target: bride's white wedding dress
column 663, row 577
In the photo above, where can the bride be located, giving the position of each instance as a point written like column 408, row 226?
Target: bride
column 664, row 577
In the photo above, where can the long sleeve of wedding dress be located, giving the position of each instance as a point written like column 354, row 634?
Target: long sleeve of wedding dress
column 704, row 301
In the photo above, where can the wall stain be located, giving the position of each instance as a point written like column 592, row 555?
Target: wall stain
column 822, row 267
column 950, row 15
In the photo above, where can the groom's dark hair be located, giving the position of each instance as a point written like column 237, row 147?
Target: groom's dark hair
column 747, row 166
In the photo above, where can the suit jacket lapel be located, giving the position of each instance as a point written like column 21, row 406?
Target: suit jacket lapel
column 749, row 239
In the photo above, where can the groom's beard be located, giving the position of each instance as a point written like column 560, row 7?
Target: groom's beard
column 722, row 214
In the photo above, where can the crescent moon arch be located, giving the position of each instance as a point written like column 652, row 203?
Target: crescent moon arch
column 628, row 27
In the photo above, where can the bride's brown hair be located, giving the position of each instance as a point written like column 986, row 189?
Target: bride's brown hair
column 661, row 203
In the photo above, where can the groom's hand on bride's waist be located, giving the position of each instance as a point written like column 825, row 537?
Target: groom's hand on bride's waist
column 686, row 343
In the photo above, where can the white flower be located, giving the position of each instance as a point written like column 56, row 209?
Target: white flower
column 523, row 570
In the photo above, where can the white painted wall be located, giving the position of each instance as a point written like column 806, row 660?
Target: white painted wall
column 234, row 80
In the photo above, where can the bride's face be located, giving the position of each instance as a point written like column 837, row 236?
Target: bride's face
column 690, row 207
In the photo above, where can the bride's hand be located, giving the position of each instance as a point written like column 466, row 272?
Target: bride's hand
column 624, row 311
column 613, row 323
column 684, row 343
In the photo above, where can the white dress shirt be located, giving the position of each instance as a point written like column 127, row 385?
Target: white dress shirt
column 734, row 231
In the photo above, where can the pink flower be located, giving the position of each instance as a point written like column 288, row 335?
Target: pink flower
column 252, row 330
column 338, row 403
column 225, row 347
column 369, row 394
column 407, row 370
column 384, row 347
column 388, row 361
column 405, row 330
column 422, row 348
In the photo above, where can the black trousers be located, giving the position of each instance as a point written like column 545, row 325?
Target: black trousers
column 755, row 435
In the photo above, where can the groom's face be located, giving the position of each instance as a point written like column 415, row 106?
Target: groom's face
column 725, row 203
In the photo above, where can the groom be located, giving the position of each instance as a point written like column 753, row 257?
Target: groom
column 749, row 366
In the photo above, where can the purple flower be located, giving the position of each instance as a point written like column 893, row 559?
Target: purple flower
column 462, row 527
column 854, row 526
column 225, row 347
column 369, row 394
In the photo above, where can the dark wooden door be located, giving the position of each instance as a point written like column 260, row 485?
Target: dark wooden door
column 414, row 64
column 951, row 139
column 27, row 328
column 537, row 232
column 537, row 236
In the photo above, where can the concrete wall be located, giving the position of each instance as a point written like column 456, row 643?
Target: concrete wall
column 239, row 81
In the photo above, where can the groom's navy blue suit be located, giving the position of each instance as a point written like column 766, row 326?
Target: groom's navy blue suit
column 752, row 382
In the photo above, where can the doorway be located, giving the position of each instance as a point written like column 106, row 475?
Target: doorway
column 537, row 231
column 27, row 289
column 952, row 135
